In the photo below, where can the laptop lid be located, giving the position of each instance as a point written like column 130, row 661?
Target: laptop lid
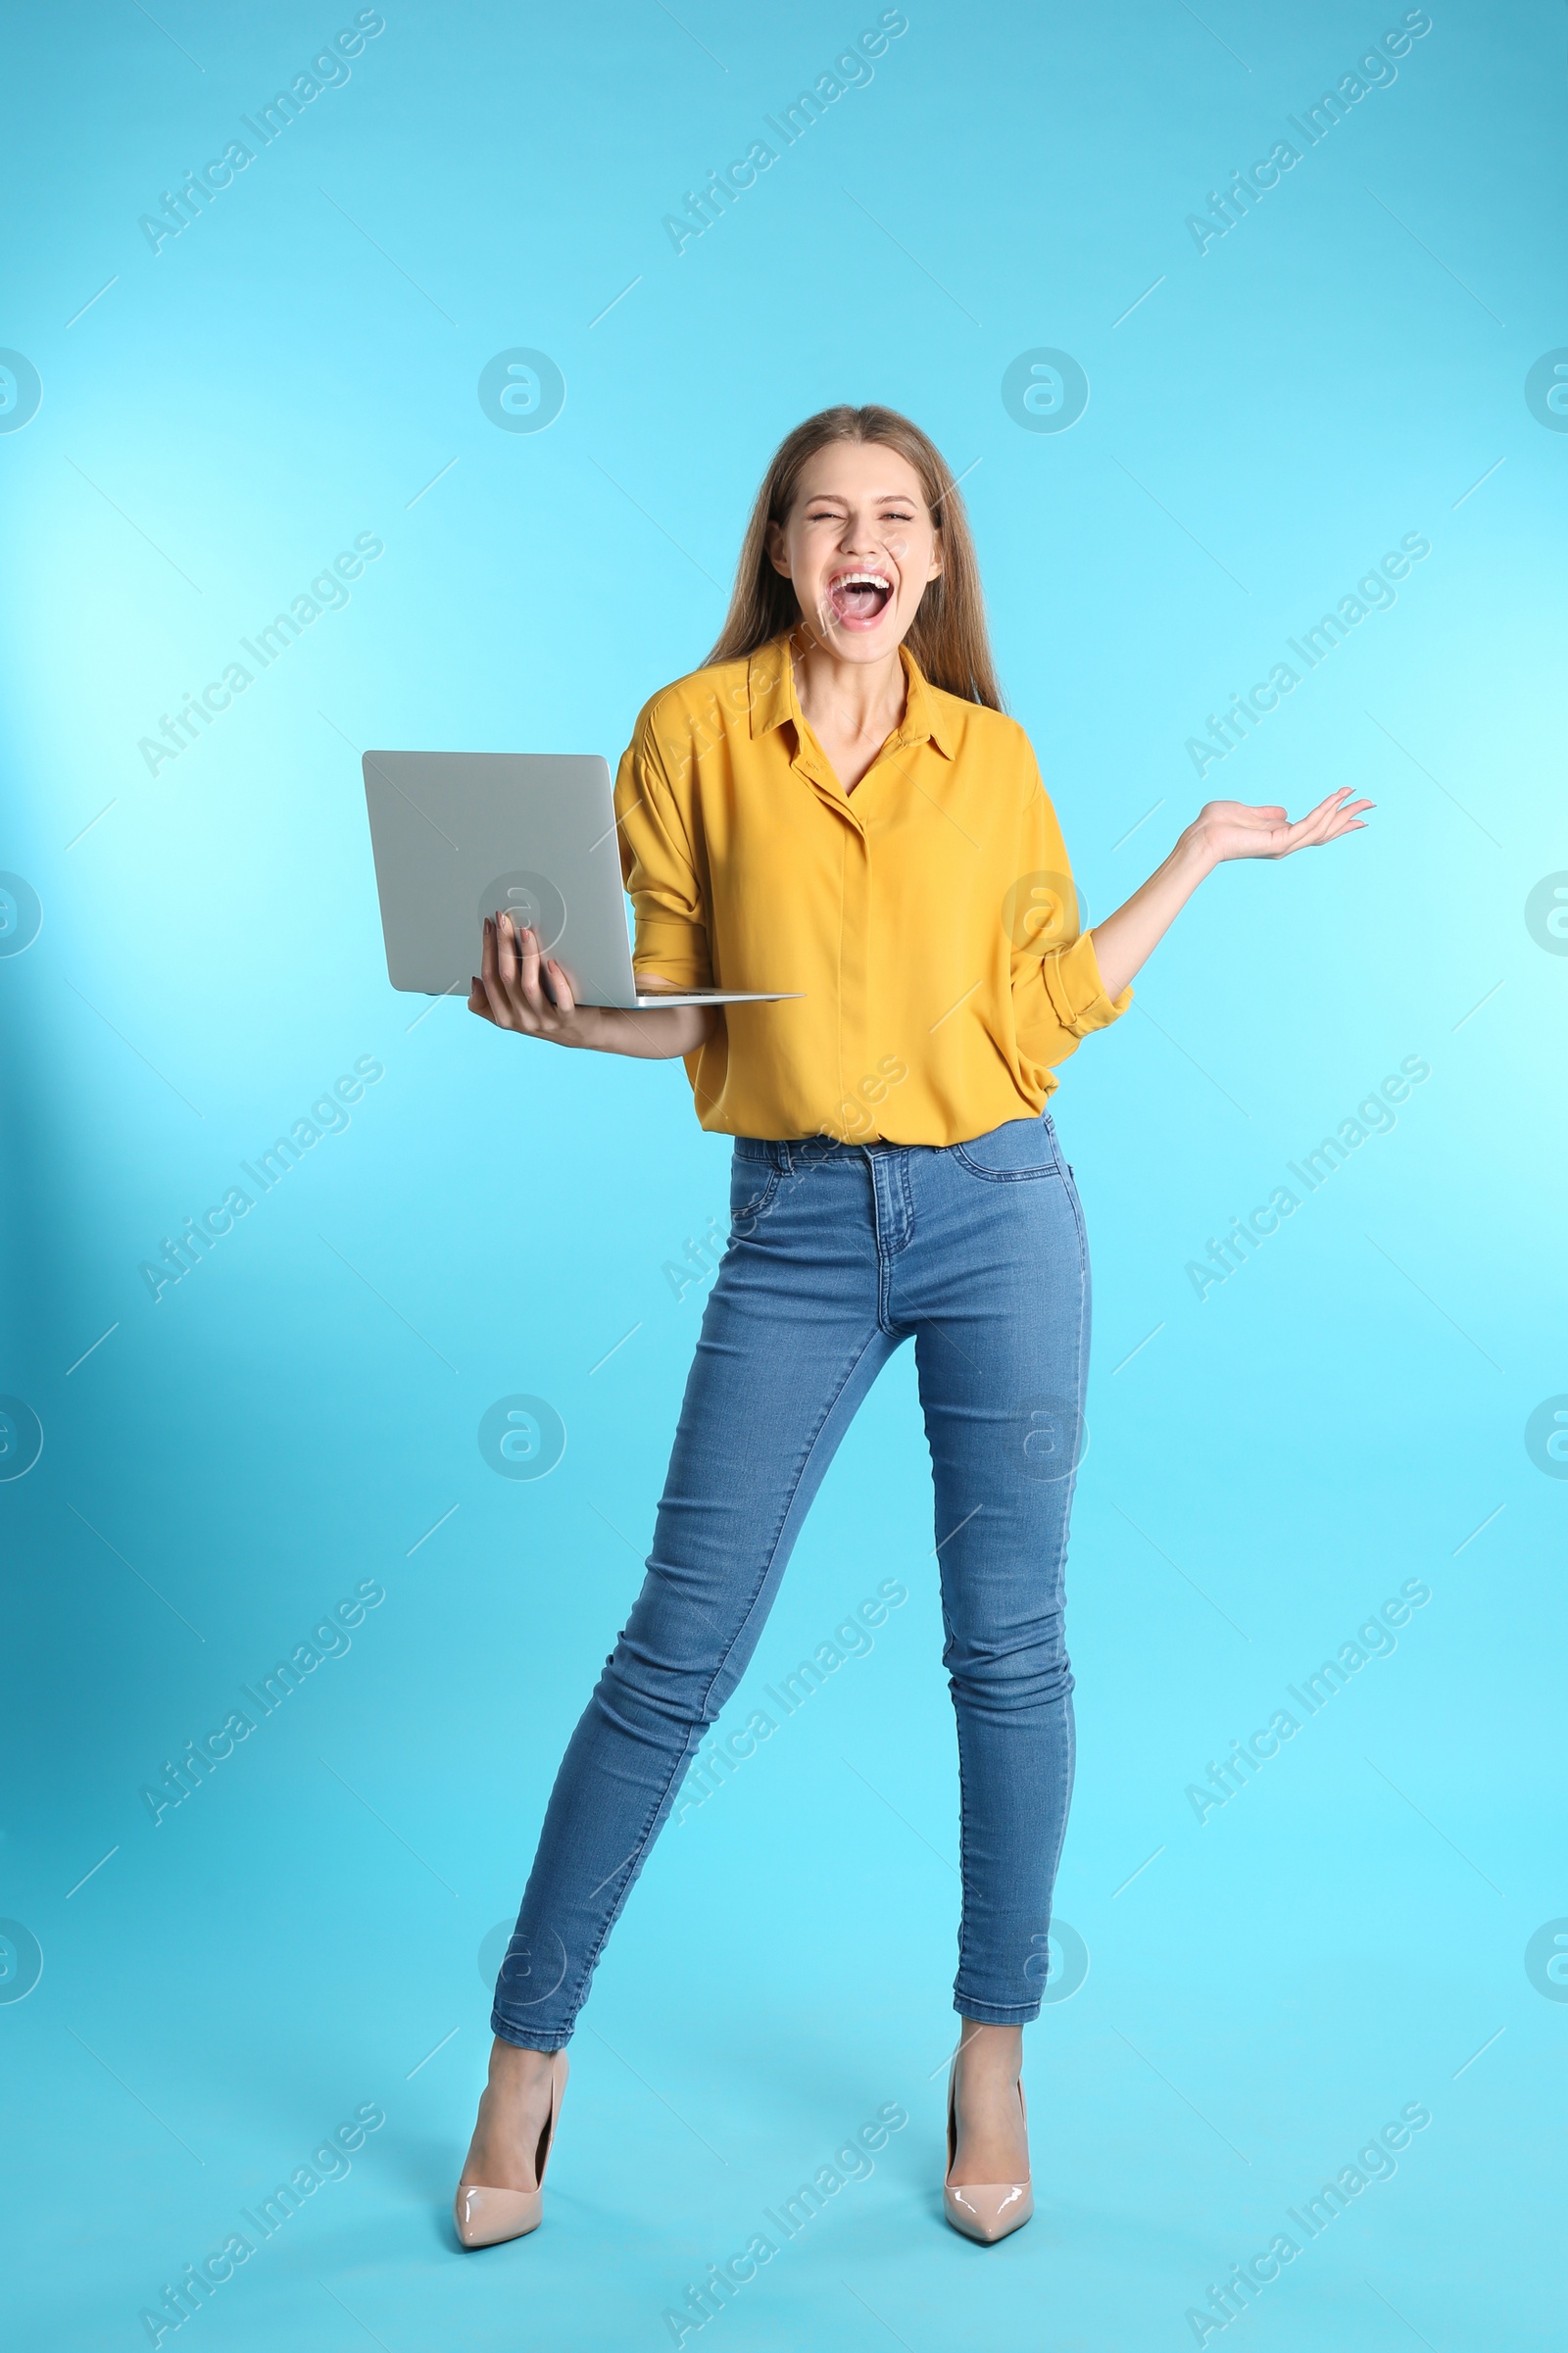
column 459, row 835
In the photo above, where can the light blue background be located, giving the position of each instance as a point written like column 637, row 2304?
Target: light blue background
column 1341, row 1415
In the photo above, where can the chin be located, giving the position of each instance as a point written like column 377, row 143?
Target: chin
column 859, row 645
column 864, row 649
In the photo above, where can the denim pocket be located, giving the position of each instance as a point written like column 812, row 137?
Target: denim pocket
column 752, row 1187
column 1018, row 1149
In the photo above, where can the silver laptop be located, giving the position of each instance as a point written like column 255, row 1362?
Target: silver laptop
column 462, row 835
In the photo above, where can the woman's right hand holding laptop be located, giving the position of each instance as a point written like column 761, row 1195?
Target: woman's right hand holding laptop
column 519, row 989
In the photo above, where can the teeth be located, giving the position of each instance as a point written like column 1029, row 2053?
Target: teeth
column 862, row 580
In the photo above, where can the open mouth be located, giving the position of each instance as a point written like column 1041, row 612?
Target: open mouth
column 860, row 599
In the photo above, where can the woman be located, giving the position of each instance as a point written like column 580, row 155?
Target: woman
column 836, row 806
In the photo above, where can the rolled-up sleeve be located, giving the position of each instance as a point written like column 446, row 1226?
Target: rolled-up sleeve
column 660, row 868
column 1057, row 993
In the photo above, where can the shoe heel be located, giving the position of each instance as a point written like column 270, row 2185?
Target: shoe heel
column 488, row 2218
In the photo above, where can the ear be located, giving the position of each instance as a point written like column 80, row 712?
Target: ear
column 936, row 554
column 775, row 549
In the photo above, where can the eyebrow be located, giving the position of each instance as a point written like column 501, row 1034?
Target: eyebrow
column 910, row 498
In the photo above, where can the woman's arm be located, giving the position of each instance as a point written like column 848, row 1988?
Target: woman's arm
column 509, row 992
column 1221, row 830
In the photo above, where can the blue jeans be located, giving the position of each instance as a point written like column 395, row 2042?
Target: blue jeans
column 837, row 1254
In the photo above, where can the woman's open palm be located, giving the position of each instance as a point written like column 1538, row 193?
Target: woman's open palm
column 1231, row 829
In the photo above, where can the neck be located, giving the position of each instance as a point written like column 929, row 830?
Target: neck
column 851, row 699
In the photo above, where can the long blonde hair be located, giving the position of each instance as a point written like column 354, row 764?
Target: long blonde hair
column 948, row 636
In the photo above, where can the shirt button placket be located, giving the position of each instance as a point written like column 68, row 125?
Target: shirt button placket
column 855, row 962
column 855, row 912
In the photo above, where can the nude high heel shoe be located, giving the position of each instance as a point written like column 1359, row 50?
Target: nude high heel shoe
column 983, row 2210
column 484, row 2218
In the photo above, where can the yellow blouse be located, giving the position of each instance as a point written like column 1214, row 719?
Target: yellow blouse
column 929, row 916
